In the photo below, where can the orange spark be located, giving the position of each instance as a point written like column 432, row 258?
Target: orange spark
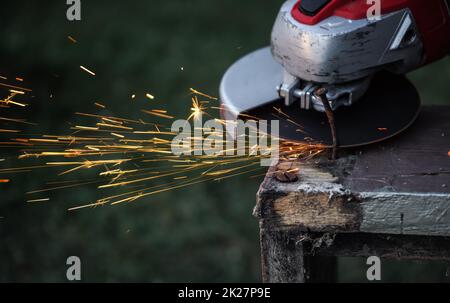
column 71, row 39
column 38, row 200
column 99, row 105
column 157, row 114
column 15, row 87
column 196, row 92
column 197, row 109
column 87, row 70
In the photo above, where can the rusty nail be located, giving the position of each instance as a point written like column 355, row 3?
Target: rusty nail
column 285, row 174
column 286, row 177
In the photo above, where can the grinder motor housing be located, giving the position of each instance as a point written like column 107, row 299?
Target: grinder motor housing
column 333, row 43
column 334, row 56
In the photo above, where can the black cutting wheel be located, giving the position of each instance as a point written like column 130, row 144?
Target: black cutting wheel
column 389, row 107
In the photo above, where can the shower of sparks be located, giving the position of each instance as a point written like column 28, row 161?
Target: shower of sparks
column 12, row 98
column 132, row 159
column 87, row 70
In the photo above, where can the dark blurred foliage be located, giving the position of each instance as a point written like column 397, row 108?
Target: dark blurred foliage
column 203, row 233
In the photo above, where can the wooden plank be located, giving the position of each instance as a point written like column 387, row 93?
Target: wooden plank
column 416, row 161
column 284, row 260
column 400, row 187
column 405, row 213
column 315, row 202
column 281, row 258
column 398, row 247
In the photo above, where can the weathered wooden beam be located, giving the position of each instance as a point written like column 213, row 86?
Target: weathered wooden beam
column 400, row 187
column 391, row 200
column 282, row 258
column 319, row 203
column 288, row 257
column 365, row 245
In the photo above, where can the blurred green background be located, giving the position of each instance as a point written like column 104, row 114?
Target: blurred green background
column 200, row 234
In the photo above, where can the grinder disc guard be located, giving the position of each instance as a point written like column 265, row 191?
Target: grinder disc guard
column 389, row 107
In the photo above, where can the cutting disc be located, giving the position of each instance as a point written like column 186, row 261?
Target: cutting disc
column 389, row 107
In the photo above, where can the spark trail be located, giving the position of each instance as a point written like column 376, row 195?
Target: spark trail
column 131, row 159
